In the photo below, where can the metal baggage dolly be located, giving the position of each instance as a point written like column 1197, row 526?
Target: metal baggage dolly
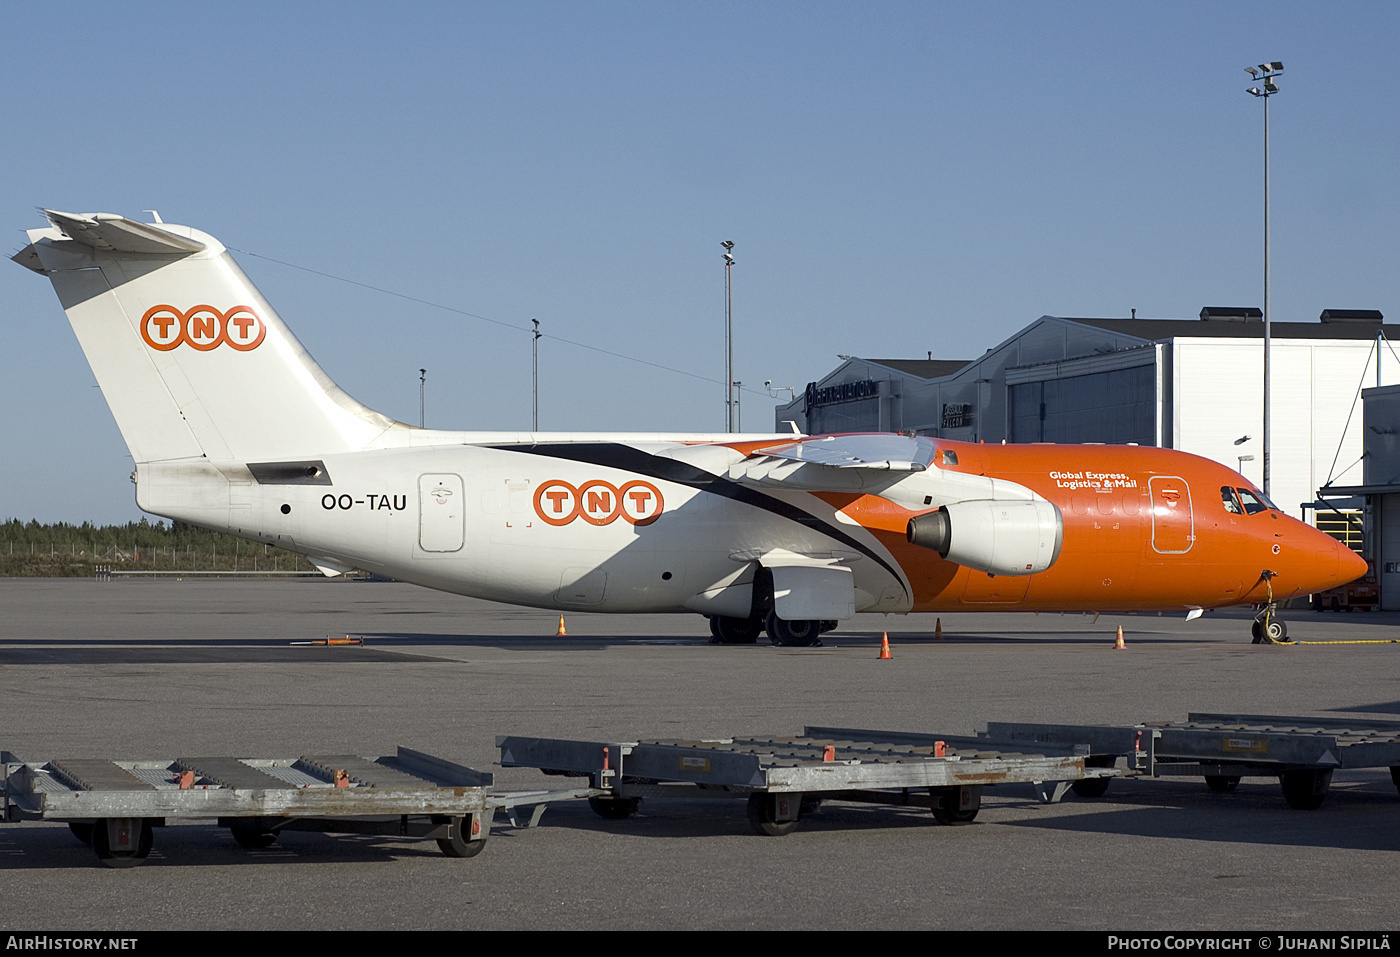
column 784, row 778
column 113, row 806
column 1300, row 752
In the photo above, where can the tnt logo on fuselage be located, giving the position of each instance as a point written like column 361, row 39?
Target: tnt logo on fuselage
column 202, row 327
column 598, row 502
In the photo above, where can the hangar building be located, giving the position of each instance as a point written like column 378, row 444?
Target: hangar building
column 1380, row 488
column 1190, row 384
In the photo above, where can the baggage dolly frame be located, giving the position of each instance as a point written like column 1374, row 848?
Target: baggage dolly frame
column 114, row 806
column 1301, row 752
column 784, row 778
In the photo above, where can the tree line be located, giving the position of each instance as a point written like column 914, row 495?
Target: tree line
column 62, row 550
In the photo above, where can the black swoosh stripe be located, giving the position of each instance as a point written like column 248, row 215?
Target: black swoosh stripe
column 625, row 457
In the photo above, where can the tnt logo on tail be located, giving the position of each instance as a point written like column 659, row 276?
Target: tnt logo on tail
column 202, row 328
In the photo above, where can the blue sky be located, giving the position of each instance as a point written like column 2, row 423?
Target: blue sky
column 898, row 178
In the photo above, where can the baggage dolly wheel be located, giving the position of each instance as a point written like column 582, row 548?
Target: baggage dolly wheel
column 122, row 842
column 1305, row 790
column 614, row 809
column 1222, row 783
column 956, row 805
column 763, row 813
column 1090, row 787
column 253, row 838
column 458, row 845
column 1395, row 778
column 82, row 830
column 1094, row 787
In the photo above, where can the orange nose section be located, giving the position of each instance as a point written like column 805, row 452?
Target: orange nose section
column 1350, row 566
column 1313, row 561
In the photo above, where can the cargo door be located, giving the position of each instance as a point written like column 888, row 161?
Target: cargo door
column 441, row 513
column 1173, row 525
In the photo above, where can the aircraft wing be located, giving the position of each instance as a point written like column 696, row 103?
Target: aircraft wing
column 865, row 463
column 895, row 453
column 989, row 524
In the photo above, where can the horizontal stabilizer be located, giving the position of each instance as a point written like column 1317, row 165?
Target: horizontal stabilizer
column 119, row 234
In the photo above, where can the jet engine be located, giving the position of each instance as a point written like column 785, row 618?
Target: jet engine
column 999, row 538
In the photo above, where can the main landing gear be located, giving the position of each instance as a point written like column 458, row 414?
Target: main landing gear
column 735, row 631
column 763, row 616
column 790, row 634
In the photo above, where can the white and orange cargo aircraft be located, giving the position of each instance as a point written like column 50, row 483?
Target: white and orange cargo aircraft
column 233, row 426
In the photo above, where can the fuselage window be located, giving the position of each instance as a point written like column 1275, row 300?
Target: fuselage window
column 1231, row 500
column 1252, row 502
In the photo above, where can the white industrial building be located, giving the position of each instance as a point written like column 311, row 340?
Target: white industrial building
column 1190, row 384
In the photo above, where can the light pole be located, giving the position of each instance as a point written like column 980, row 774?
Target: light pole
column 1268, row 72
column 422, row 384
column 728, row 245
column 537, row 374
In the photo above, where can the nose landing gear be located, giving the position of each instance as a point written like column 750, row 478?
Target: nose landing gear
column 1268, row 630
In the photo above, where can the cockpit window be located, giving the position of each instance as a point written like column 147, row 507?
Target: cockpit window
column 1253, row 502
column 947, row 457
column 1231, row 500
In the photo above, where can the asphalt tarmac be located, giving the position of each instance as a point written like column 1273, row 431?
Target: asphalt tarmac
column 140, row 668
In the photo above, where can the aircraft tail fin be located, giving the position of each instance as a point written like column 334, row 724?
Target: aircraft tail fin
column 192, row 360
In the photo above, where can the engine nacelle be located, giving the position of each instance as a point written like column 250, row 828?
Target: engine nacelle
column 1000, row 538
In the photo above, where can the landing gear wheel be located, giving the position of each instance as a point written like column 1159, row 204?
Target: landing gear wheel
column 82, row 830
column 102, row 843
column 1394, row 779
column 1268, row 630
column 252, row 838
column 801, row 633
column 614, row 809
column 714, row 629
column 458, row 845
column 736, row 631
column 761, row 813
column 1305, row 790
column 1222, row 783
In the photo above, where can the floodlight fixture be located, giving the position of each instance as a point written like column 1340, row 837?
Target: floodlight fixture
column 730, row 406
column 1267, row 72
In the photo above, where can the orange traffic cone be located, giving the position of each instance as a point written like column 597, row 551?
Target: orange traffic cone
column 1118, row 645
column 561, row 630
column 938, row 629
column 884, row 646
